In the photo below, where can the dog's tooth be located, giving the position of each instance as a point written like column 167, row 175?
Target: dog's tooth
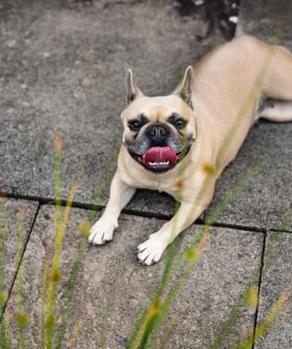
column 159, row 163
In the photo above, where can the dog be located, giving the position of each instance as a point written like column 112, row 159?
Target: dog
column 181, row 143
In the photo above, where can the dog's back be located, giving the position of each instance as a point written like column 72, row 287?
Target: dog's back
column 231, row 83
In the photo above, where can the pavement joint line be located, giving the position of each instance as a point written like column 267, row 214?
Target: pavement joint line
column 51, row 201
column 279, row 231
column 26, row 197
column 64, row 203
column 235, row 226
column 146, row 214
column 259, row 291
column 99, row 208
column 20, row 262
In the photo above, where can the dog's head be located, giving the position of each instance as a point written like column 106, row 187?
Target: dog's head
column 159, row 131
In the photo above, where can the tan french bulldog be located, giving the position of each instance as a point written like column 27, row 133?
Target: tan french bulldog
column 181, row 143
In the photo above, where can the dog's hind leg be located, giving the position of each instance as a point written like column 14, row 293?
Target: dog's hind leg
column 276, row 110
column 278, row 80
column 277, row 86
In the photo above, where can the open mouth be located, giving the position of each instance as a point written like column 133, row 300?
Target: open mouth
column 159, row 159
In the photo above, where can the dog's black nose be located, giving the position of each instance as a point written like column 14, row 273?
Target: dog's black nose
column 158, row 133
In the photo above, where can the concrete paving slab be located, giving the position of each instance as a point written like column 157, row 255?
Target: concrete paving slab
column 276, row 281
column 265, row 201
column 112, row 287
column 266, row 19
column 16, row 219
column 63, row 65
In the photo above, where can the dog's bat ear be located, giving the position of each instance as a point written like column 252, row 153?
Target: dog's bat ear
column 133, row 91
column 184, row 89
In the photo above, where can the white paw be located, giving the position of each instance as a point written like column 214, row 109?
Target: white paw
column 151, row 250
column 102, row 231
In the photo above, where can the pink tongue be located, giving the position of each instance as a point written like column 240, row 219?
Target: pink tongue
column 160, row 154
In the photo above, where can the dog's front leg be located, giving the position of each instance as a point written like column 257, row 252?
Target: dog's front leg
column 151, row 250
column 120, row 194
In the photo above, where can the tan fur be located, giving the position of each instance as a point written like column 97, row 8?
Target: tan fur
column 229, row 84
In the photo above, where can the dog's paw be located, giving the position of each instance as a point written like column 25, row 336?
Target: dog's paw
column 150, row 251
column 102, row 231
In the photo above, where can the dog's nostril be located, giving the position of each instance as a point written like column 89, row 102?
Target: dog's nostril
column 158, row 132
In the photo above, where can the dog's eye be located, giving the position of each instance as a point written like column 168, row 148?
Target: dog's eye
column 138, row 122
column 179, row 123
column 134, row 125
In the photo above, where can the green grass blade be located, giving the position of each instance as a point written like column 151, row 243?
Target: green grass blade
column 69, row 292
column 21, row 317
